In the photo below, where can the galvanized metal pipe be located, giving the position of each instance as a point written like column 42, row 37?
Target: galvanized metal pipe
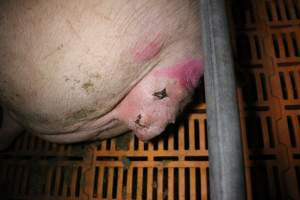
column 224, row 139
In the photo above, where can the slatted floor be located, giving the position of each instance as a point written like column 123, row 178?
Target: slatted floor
column 266, row 46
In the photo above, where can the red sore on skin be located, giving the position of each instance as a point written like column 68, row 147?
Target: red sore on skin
column 187, row 72
column 147, row 50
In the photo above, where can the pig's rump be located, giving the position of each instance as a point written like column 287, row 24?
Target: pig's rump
column 66, row 65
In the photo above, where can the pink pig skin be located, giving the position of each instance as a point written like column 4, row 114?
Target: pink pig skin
column 187, row 73
column 96, row 69
column 147, row 115
column 147, row 50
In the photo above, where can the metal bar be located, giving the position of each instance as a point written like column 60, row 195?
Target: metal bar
column 224, row 137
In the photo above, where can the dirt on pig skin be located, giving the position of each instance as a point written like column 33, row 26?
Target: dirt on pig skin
column 80, row 70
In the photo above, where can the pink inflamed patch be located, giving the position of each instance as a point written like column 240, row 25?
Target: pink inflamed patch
column 146, row 50
column 187, row 73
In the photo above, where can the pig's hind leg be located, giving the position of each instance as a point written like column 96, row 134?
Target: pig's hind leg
column 9, row 129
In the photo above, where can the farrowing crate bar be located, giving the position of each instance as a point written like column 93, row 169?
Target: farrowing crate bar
column 224, row 135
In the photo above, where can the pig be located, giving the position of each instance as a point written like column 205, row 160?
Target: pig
column 84, row 70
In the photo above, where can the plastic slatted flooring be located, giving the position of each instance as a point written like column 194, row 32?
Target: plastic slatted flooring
column 266, row 37
column 266, row 45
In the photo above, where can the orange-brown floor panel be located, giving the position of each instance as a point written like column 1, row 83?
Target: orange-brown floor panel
column 266, row 46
